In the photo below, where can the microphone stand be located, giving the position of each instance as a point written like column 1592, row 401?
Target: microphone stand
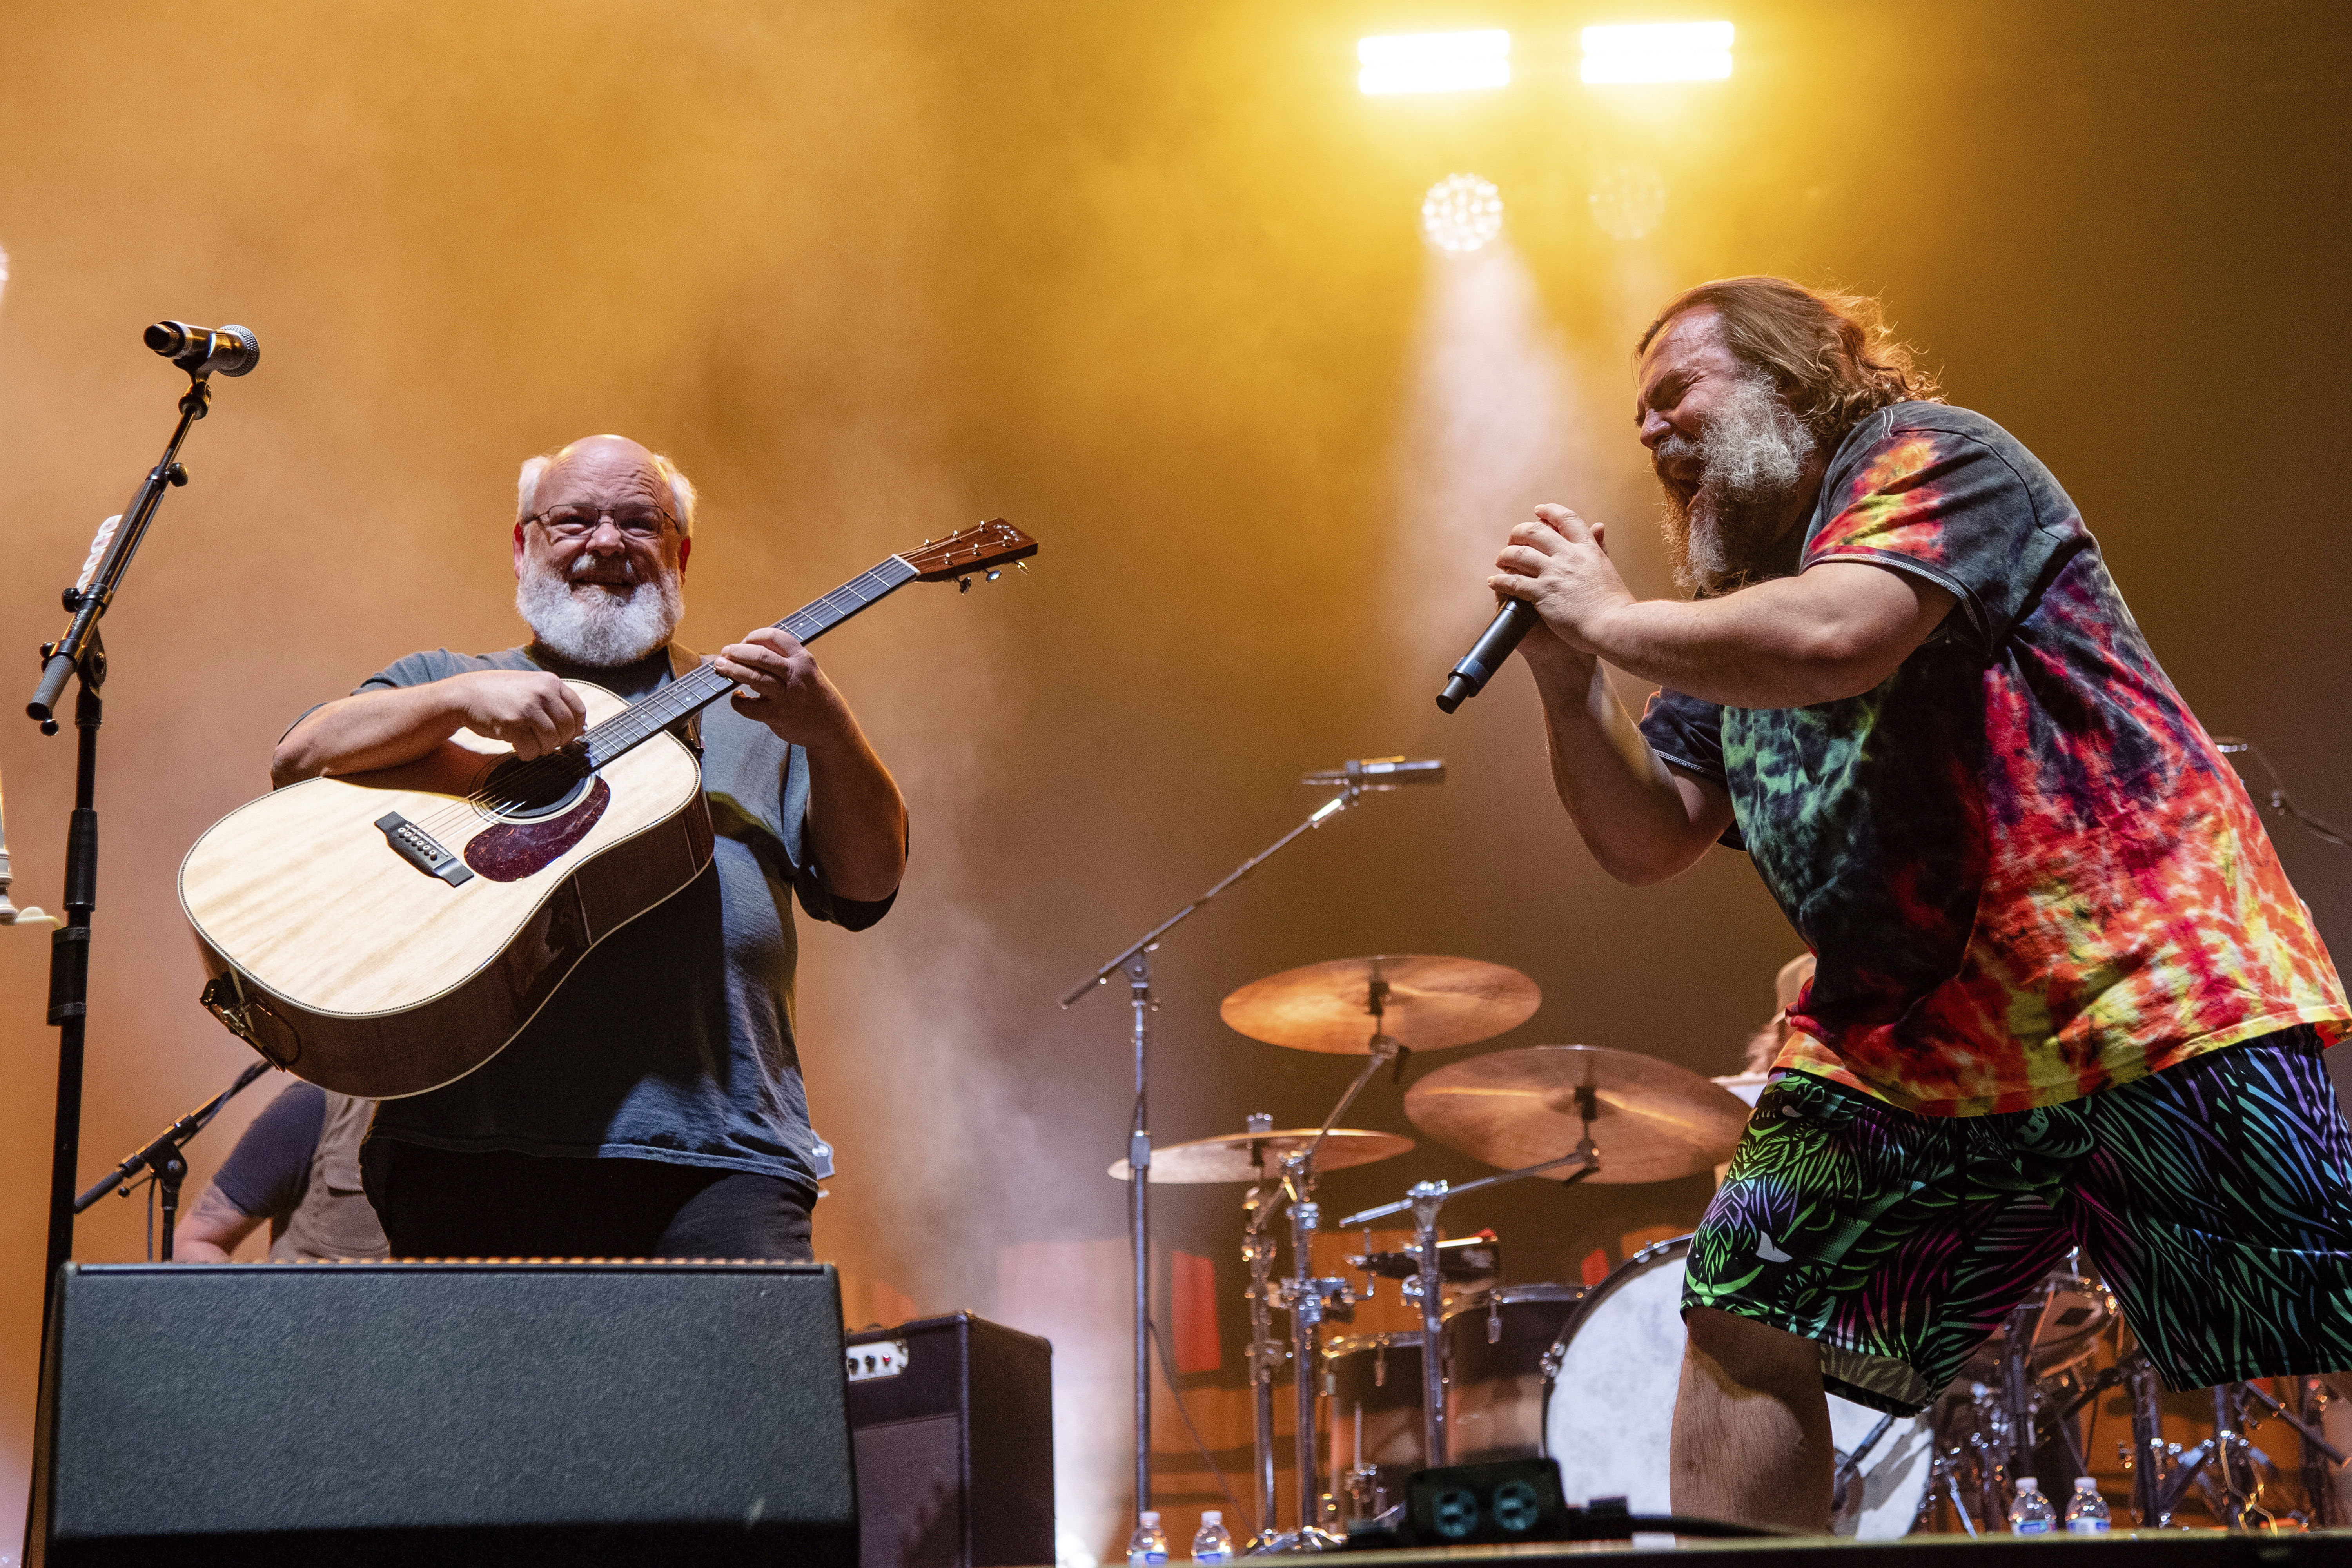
column 81, row 653
column 164, row 1157
column 1135, row 962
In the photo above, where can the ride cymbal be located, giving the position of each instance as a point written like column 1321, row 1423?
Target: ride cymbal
column 1430, row 1003
column 1651, row 1121
column 1231, row 1158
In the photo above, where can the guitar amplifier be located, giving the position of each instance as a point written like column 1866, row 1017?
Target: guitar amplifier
column 406, row 1412
column 953, row 1423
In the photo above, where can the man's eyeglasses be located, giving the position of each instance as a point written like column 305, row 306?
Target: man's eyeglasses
column 566, row 523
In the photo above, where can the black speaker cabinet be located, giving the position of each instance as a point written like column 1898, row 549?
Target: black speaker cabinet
column 408, row 1413
column 954, row 1420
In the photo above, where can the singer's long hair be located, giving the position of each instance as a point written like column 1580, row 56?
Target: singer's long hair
column 1832, row 355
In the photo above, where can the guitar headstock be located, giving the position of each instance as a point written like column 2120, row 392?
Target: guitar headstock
column 984, row 547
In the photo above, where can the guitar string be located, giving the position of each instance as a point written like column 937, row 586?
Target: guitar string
column 553, row 769
column 627, row 730
column 641, row 720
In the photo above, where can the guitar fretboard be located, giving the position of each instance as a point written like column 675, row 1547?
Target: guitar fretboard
column 698, row 690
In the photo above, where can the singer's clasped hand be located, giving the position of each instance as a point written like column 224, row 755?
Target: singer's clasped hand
column 1560, row 563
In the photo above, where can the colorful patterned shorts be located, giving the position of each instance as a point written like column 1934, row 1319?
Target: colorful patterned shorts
column 2215, row 1198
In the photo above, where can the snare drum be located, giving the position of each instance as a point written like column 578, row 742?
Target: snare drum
column 1609, row 1406
column 1495, row 1344
column 1374, row 1384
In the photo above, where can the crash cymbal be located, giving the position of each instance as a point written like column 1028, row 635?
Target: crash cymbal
column 1429, row 1003
column 1654, row 1120
column 1228, row 1159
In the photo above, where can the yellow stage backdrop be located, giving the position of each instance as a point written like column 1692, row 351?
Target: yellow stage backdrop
column 1146, row 280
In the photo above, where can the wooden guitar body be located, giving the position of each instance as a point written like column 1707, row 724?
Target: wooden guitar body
column 381, row 934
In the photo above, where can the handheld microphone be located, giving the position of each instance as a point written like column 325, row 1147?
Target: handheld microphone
column 1380, row 773
column 1512, row 621
column 201, row 351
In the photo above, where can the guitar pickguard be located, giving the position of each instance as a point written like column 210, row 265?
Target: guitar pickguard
column 509, row 851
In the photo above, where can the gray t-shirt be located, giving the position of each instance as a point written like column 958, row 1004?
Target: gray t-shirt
column 673, row 1038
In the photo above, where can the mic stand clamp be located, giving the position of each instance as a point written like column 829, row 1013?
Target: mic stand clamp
column 165, row 1157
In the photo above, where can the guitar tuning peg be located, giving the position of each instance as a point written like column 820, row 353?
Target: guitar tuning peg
column 1022, row 567
column 994, row 573
column 963, row 584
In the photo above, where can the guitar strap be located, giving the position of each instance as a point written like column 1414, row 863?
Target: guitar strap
column 684, row 661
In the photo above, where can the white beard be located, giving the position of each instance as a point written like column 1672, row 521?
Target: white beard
column 1752, row 458
column 593, row 626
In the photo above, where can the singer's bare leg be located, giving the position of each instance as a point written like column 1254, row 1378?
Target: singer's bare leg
column 1751, row 1438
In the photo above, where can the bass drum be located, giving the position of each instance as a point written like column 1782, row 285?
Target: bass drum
column 1609, row 1406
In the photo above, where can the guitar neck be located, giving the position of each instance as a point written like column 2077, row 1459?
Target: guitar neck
column 693, row 692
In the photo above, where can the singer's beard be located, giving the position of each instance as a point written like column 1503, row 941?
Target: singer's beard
column 593, row 625
column 1751, row 460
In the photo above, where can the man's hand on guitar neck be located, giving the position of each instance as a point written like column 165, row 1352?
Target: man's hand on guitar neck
column 531, row 711
column 857, row 819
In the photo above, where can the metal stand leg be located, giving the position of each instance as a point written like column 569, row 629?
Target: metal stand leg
column 2017, row 1386
column 1305, row 1321
column 1138, row 1187
column 1265, row 1355
column 1428, row 1198
column 2148, row 1502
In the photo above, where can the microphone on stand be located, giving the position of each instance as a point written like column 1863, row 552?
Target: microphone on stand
column 1513, row 621
column 201, row 351
column 1379, row 773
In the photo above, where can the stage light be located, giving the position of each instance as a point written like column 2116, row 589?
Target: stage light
column 1670, row 51
column 1460, row 213
column 1434, row 62
column 1627, row 200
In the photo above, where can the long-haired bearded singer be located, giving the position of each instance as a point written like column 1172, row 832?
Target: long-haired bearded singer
column 2065, row 996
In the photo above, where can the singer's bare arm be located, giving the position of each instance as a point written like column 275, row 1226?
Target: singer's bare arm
column 529, row 710
column 1642, row 818
column 1834, row 631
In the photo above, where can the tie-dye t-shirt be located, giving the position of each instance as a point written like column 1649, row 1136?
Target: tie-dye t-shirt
column 2025, row 869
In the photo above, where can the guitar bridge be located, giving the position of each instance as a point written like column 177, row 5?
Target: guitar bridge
column 422, row 850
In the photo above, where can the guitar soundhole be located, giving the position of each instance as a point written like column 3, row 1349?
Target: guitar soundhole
column 527, row 792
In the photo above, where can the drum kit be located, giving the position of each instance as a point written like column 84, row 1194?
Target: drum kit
column 1586, row 1377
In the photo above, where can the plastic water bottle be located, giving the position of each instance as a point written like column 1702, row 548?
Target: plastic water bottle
column 2031, row 1514
column 1148, row 1547
column 1214, row 1543
column 2086, row 1510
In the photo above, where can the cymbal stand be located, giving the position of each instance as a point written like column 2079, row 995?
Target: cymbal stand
column 1265, row 1352
column 1135, row 962
column 1425, row 1199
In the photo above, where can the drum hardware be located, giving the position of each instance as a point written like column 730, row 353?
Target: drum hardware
column 1466, row 1259
column 1847, row 1477
column 2226, row 1468
column 1425, row 1199
column 1435, row 1002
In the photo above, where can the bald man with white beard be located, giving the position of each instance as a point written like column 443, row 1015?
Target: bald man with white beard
column 655, row 1107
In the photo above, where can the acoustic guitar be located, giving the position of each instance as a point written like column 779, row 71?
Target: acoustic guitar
column 383, row 933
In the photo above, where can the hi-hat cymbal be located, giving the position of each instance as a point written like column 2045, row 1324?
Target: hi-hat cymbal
column 1427, row 1003
column 1652, row 1121
column 1228, row 1159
